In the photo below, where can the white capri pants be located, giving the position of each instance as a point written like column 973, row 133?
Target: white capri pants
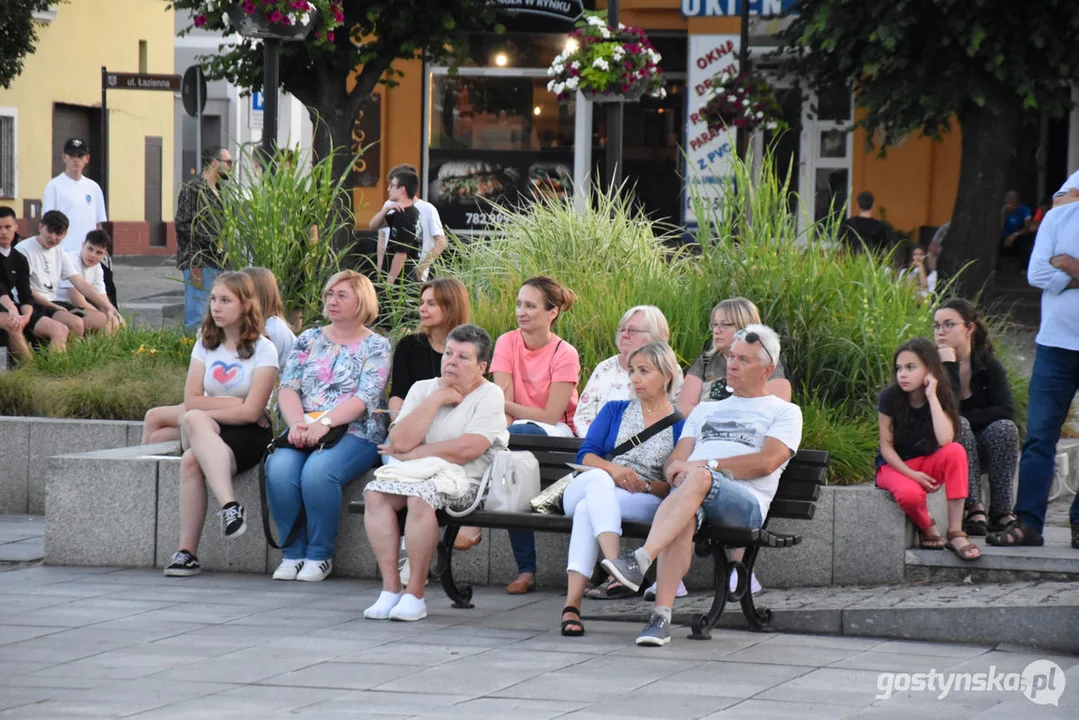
column 597, row 506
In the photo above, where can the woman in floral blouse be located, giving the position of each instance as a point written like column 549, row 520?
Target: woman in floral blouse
column 335, row 375
column 610, row 380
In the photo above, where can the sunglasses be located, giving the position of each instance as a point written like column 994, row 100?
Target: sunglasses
column 753, row 338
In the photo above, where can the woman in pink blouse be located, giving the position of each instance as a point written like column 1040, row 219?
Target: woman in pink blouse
column 538, row 372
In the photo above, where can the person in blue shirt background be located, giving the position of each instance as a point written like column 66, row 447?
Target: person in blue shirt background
column 1016, row 235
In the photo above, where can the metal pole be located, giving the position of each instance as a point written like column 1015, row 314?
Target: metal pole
column 104, row 149
column 614, row 119
column 271, row 62
column 743, row 67
column 198, row 121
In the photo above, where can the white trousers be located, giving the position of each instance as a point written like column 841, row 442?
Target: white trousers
column 598, row 506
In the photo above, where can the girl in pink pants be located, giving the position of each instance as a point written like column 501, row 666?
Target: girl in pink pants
column 918, row 421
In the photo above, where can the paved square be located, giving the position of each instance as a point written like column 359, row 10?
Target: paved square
column 106, row 643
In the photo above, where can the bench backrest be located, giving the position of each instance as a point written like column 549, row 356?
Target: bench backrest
column 799, row 485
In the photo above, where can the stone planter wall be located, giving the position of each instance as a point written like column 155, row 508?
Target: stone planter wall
column 27, row 443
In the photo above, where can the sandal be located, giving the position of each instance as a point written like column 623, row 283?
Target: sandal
column 1015, row 534
column 973, row 526
column 968, row 552
column 930, row 542
column 610, row 590
column 998, row 523
column 571, row 627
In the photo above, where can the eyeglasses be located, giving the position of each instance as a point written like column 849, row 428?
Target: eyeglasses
column 631, row 330
column 726, row 325
column 225, row 162
column 753, row 338
column 946, row 326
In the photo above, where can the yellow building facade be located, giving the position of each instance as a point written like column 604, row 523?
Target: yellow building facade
column 58, row 95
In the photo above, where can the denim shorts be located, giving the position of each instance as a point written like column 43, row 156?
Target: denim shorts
column 730, row 503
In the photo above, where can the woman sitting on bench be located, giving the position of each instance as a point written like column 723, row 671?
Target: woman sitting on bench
column 627, row 482
column 458, row 417
column 538, row 372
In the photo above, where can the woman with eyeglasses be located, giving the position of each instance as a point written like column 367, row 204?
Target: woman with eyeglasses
column 987, row 413
column 706, row 378
column 610, row 380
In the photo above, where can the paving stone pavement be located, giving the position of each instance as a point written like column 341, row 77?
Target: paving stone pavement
column 79, row 642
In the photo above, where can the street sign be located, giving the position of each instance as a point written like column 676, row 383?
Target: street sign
column 193, row 91
column 140, row 81
column 256, row 115
column 733, row 8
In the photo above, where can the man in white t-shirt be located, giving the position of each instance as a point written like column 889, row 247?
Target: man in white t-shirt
column 726, row 465
column 88, row 264
column 49, row 266
column 434, row 236
column 75, row 195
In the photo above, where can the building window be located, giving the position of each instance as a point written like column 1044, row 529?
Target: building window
column 9, row 159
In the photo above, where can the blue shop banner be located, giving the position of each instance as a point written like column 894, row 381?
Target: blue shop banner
column 733, row 8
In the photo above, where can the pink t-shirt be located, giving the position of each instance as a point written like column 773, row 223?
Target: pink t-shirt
column 533, row 371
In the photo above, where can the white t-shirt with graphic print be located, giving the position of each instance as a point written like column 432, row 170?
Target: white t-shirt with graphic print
column 227, row 375
column 47, row 267
column 739, row 426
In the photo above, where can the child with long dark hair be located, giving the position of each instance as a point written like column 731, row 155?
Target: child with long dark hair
column 919, row 420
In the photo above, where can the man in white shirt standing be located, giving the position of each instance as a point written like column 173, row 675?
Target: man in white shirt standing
column 434, row 237
column 49, row 266
column 75, row 195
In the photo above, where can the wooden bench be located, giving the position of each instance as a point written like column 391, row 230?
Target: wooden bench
column 799, row 488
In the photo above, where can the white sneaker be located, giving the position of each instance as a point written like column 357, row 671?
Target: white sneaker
column 754, row 584
column 315, row 570
column 287, row 570
column 650, row 593
column 409, row 609
column 382, row 607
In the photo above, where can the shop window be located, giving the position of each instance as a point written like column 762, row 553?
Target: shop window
column 9, row 162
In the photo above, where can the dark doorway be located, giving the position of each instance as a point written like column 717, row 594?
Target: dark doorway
column 70, row 121
column 152, row 202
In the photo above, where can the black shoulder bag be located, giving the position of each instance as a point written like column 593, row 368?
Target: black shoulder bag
column 644, row 435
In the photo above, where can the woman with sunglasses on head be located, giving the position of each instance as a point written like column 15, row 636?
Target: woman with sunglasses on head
column 987, row 409
column 639, row 326
column 706, row 378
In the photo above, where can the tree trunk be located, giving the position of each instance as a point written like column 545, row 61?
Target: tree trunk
column 974, row 236
column 333, row 131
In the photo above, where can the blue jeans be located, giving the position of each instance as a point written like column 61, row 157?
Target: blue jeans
column 523, row 542
column 731, row 504
column 195, row 298
column 1052, row 387
column 312, row 482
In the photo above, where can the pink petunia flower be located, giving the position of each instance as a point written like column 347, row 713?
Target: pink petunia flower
column 201, row 20
column 329, row 36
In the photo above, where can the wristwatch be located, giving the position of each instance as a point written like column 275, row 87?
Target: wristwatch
column 325, row 420
column 713, row 464
column 648, row 486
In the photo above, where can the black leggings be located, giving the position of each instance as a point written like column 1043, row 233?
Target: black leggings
column 994, row 450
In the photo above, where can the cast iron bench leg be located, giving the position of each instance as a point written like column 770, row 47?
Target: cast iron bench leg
column 460, row 594
column 703, row 624
column 759, row 620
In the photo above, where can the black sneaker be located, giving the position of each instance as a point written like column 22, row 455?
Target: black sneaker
column 657, row 632
column 233, row 521
column 183, row 564
column 625, row 570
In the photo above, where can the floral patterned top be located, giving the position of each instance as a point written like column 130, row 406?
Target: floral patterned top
column 325, row 374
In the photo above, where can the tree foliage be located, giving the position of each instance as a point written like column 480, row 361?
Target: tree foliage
column 18, row 34
column 913, row 64
column 378, row 33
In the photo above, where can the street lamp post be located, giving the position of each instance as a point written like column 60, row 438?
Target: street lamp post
column 614, row 119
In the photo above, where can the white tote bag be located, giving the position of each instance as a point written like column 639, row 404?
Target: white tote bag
column 511, row 481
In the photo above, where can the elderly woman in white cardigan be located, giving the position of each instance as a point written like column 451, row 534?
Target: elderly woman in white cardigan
column 458, row 417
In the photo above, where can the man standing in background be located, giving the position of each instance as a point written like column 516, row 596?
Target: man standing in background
column 198, row 247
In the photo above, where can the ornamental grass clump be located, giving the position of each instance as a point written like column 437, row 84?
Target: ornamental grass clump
column 600, row 60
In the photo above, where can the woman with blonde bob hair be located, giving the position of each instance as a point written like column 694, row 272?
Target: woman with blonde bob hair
column 335, row 375
column 223, row 426
column 273, row 311
column 626, row 482
column 706, row 378
column 639, row 326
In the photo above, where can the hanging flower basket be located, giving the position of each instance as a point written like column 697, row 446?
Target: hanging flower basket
column 268, row 19
column 745, row 101
column 606, row 64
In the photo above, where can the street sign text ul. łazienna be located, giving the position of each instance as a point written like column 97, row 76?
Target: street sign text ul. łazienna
column 141, row 81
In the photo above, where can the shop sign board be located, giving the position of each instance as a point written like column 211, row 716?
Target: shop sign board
column 567, row 10
column 708, row 152
column 733, row 8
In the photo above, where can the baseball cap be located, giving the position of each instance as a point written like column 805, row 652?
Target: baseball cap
column 76, row 146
